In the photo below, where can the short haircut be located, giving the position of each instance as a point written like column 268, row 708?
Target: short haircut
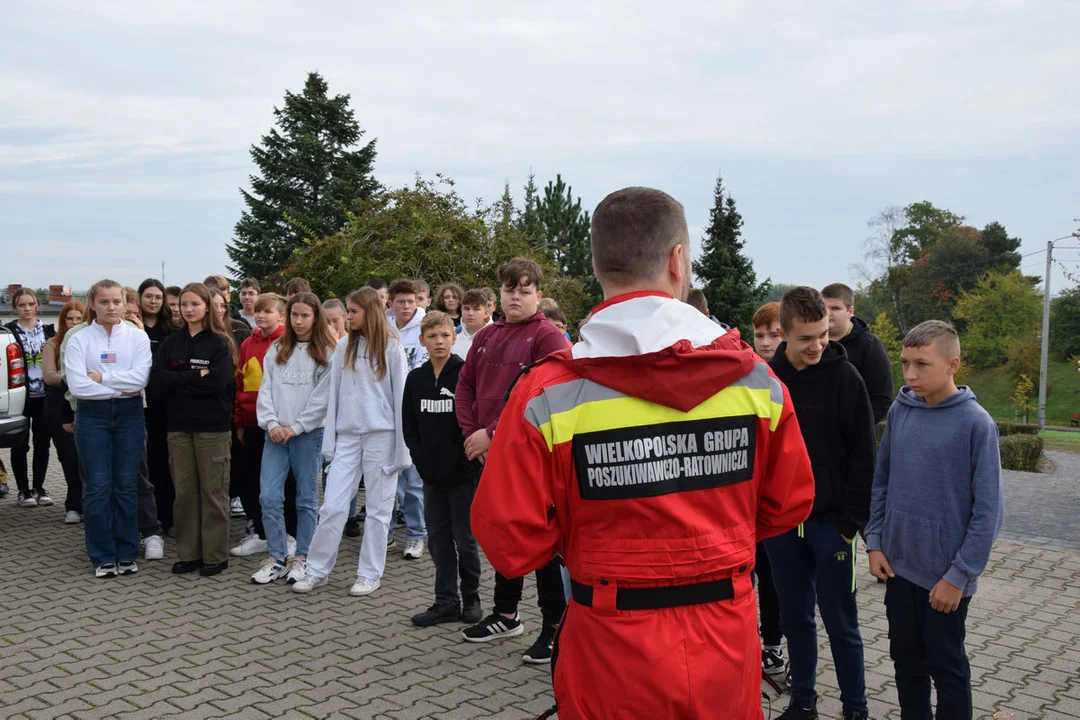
column 269, row 300
column 633, row 233
column 297, row 285
column 766, row 316
column 131, row 295
column 375, row 283
column 554, row 314
column 422, row 288
column 475, row 298
column 436, row 318
column 841, row 292
column 934, row 331
column 548, row 304
column 218, row 282
column 696, row 299
column 333, row 304
column 251, row 283
column 491, row 297
column 402, row 286
column 801, row 303
column 173, row 290
column 512, row 273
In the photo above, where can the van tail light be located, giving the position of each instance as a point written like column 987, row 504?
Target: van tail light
column 16, row 367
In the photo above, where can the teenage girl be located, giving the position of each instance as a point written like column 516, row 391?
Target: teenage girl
column 58, row 413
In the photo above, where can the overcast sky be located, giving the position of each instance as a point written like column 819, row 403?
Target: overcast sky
column 125, row 126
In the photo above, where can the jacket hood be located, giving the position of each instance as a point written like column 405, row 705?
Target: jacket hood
column 858, row 327
column 910, row 399
column 501, row 322
column 658, row 349
column 453, row 363
column 259, row 334
column 834, row 352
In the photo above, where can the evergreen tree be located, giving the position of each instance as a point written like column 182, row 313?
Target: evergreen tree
column 726, row 273
column 1001, row 250
column 529, row 221
column 565, row 229
column 310, row 171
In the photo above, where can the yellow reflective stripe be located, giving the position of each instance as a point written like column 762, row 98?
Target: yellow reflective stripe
column 624, row 412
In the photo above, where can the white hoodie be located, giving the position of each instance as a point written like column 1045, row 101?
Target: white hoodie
column 415, row 353
column 465, row 338
column 359, row 404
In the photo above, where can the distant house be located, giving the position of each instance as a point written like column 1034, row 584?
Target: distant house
column 59, row 295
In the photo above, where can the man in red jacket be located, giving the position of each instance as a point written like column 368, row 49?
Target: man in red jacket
column 497, row 356
column 652, row 457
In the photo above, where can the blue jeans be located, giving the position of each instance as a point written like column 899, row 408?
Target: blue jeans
column 410, row 498
column 111, row 439
column 819, row 568
column 303, row 454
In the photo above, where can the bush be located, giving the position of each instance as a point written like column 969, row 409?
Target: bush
column 1021, row 452
column 1006, row 429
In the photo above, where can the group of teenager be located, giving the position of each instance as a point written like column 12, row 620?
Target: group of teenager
column 163, row 388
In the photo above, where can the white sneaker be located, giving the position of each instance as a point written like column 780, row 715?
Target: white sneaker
column 290, row 544
column 308, row 583
column 153, row 548
column 72, row 518
column 297, row 570
column 362, row 587
column 236, row 508
column 250, row 545
column 268, row 572
column 414, row 549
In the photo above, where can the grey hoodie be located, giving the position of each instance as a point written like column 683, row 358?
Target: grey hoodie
column 937, row 502
column 293, row 395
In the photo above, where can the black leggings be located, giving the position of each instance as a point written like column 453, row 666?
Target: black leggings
column 65, row 447
column 157, row 460
column 35, row 411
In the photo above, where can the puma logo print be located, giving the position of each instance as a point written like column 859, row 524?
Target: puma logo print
column 446, row 392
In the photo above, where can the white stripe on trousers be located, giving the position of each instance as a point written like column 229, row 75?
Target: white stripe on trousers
column 355, row 457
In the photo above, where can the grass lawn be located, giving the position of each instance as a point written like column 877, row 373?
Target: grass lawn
column 1061, row 440
column 994, row 386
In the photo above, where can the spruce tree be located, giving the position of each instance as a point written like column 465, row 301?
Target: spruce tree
column 309, row 171
column 565, row 229
column 529, row 222
column 725, row 272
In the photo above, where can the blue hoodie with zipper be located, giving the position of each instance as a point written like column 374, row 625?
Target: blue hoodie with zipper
column 937, row 502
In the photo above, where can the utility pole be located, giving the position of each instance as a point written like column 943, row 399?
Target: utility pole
column 1045, row 350
column 163, row 273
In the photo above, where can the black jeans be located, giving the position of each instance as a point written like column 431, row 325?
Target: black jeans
column 39, row 429
column 148, row 511
column 926, row 644
column 157, row 460
column 249, row 487
column 65, row 448
column 550, row 595
column 450, row 540
column 768, row 603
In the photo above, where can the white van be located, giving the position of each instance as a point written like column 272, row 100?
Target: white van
column 13, row 424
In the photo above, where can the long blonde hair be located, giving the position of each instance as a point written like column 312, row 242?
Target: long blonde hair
column 376, row 331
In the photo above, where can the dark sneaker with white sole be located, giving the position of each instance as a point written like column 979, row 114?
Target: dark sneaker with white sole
column 540, row 652
column 493, row 627
column 794, row 712
column 437, row 613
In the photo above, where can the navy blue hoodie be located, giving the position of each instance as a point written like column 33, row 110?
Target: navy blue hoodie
column 937, row 502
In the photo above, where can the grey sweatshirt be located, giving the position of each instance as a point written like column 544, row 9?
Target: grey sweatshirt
column 937, row 502
column 293, row 395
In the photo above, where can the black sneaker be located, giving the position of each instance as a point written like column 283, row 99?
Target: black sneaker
column 470, row 610
column 794, row 712
column 353, row 528
column 540, row 652
column 493, row 627
column 856, row 715
column 773, row 661
column 400, row 519
column 437, row 614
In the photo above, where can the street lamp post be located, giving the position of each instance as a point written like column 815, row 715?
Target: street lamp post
column 1045, row 350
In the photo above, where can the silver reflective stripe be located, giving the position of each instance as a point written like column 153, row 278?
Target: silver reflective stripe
column 566, row 396
column 776, row 391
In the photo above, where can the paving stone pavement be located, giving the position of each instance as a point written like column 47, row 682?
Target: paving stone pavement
column 157, row 645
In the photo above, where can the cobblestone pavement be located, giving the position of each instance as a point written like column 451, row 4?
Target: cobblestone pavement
column 158, row 645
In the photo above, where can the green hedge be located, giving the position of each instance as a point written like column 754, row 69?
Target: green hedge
column 1021, row 452
column 1006, row 428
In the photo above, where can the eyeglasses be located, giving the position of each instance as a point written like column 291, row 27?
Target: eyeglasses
column 404, row 303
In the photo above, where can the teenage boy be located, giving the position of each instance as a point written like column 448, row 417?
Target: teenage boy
column 475, row 315
column 249, row 293
column 499, row 353
column 423, row 294
column 766, row 324
column 817, row 559
column 434, row 438
column 405, row 316
column 556, row 317
column 221, row 283
column 936, row 508
column 296, row 286
column 379, row 285
column 172, row 299
column 864, row 350
column 269, row 326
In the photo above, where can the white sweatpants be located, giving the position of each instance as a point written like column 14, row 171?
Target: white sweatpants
column 356, row 457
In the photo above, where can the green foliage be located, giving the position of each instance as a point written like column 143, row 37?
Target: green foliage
column 310, row 172
column 994, row 387
column 1011, row 428
column 425, row 231
column 1021, row 452
column 725, row 272
column 776, row 292
column 1000, row 310
column 564, row 229
column 1022, row 395
column 926, row 226
column 1065, row 324
column 889, row 336
column 1000, row 248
